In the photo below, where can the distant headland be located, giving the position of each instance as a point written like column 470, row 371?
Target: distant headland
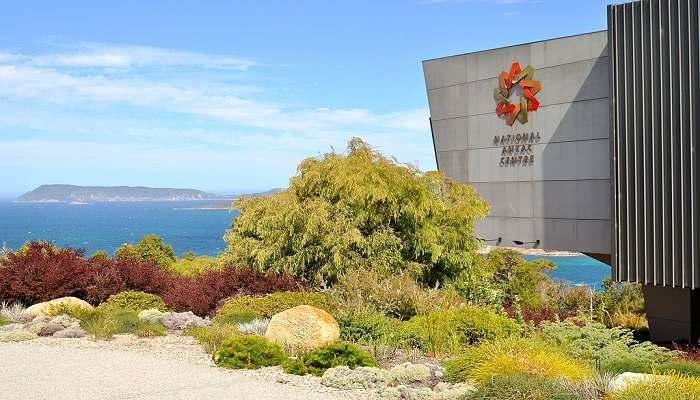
column 90, row 194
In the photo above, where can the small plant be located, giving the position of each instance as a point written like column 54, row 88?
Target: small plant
column 151, row 315
column 236, row 318
column 269, row 305
column 149, row 329
column 17, row 336
column 665, row 387
column 612, row 349
column 295, row 366
column 451, row 330
column 136, row 301
column 12, row 311
column 511, row 356
column 337, row 354
column 211, row 337
column 521, row 387
column 255, row 327
column 4, row 320
column 365, row 326
column 248, row 352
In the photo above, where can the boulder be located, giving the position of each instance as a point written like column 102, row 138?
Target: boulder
column 303, row 328
column 40, row 309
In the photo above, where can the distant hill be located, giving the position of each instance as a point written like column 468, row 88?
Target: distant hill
column 227, row 205
column 89, row 194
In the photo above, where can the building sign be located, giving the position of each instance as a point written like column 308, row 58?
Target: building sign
column 517, row 149
column 509, row 82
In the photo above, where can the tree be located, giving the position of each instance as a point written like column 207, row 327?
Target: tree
column 149, row 248
column 359, row 210
column 517, row 277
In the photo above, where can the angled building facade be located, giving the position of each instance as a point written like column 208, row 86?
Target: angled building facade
column 587, row 143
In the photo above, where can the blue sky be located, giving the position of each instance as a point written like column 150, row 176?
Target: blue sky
column 229, row 96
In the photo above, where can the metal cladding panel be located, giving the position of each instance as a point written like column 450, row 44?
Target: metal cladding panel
column 654, row 76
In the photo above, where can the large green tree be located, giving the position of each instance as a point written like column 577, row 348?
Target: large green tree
column 359, row 210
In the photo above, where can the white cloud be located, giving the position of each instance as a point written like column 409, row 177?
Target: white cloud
column 96, row 55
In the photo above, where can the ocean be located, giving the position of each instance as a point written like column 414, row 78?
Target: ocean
column 104, row 226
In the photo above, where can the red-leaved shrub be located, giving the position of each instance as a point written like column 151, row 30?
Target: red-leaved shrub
column 202, row 293
column 536, row 317
column 40, row 271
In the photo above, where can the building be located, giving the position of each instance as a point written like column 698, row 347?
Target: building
column 587, row 143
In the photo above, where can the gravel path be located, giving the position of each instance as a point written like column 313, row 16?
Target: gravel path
column 172, row 367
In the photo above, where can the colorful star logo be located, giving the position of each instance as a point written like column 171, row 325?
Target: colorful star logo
column 528, row 102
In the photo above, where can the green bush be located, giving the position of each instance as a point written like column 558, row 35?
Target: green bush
column 449, row 331
column 149, row 329
column 518, row 278
column 629, row 364
column 269, row 305
column 522, row 387
column 295, row 366
column 238, row 317
column 136, row 301
column 4, row 320
column 366, row 326
column 514, row 356
column 666, row 387
column 248, row 352
column 337, row 354
column 211, row 337
column 191, row 265
column 611, row 349
column 396, row 295
column 359, row 210
column 150, row 248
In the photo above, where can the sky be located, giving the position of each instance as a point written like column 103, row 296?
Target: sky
column 229, row 96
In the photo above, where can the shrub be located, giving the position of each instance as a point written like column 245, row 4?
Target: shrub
column 334, row 355
column 254, row 327
column 148, row 329
column 151, row 315
column 366, row 326
column 271, row 304
column 211, row 337
column 514, row 356
column 399, row 296
column 520, row 387
column 517, row 277
column 605, row 347
column 451, row 330
column 248, row 352
column 12, row 310
column 17, row 336
column 294, row 366
column 191, row 265
column 4, row 320
column 201, row 294
column 136, row 301
column 40, row 271
column 240, row 317
column 629, row 364
column 149, row 248
column 359, row 210
column 667, row 387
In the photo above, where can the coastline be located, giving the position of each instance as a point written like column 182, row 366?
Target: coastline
column 532, row 252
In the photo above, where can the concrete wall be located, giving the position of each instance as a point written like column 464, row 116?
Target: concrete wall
column 563, row 198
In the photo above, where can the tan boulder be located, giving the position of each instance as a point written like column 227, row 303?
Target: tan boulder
column 303, row 328
column 40, row 309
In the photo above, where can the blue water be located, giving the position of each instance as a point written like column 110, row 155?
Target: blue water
column 107, row 225
column 578, row 270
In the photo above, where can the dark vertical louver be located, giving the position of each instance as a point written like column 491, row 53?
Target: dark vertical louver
column 655, row 107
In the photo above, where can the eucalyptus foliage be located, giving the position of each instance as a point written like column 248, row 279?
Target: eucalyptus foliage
column 359, row 210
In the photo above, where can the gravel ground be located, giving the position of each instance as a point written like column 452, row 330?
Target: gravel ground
column 171, row 367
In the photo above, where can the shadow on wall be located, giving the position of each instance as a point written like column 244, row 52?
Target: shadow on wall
column 573, row 186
